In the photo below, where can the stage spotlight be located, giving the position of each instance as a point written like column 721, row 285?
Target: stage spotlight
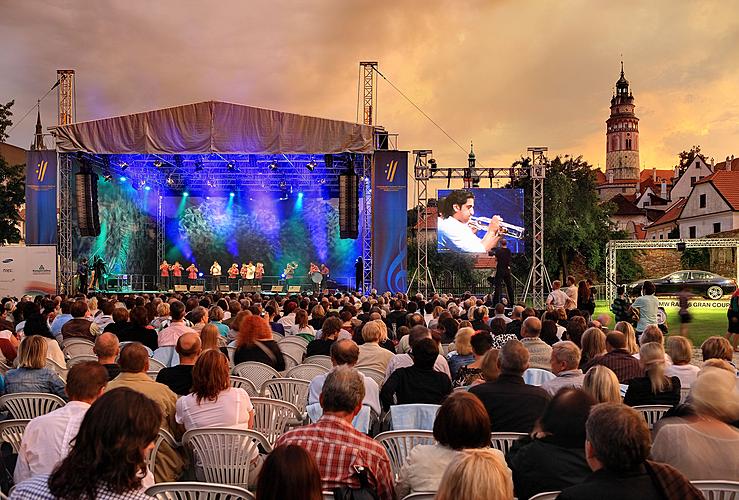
column 142, row 183
column 231, row 194
column 200, row 275
column 147, row 188
column 170, row 181
column 198, row 165
column 231, row 165
column 185, row 194
column 122, row 179
column 210, row 183
column 158, row 163
column 272, row 165
column 283, row 184
column 107, row 177
column 123, row 165
column 311, row 165
column 432, row 164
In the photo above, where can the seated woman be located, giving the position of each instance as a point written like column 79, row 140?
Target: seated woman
column 655, row 388
column 500, row 337
column 425, row 464
column 593, row 346
column 255, row 343
column 317, row 315
column 553, row 457
column 481, row 344
column 36, row 325
column 628, row 330
column 489, row 368
column 124, row 423
column 680, row 350
column 32, row 375
column 302, row 327
column 289, row 472
column 476, row 474
column 210, row 338
column 703, row 445
column 463, row 353
column 602, row 385
column 139, row 330
column 215, row 317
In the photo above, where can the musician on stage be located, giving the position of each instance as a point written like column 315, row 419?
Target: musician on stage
column 164, row 274
column 313, row 268
column 259, row 273
column 324, row 276
column 250, row 270
column 456, row 233
column 192, row 273
column 233, row 275
column 177, row 272
column 215, row 275
column 99, row 270
column 83, row 269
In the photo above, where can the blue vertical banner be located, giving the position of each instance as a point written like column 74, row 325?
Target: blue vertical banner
column 389, row 221
column 41, row 175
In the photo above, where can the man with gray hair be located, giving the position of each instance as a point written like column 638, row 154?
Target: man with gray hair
column 539, row 351
column 335, row 445
column 512, row 405
column 564, row 362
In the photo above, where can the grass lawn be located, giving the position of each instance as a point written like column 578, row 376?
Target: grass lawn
column 707, row 321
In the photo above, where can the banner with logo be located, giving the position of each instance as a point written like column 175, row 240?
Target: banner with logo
column 41, row 173
column 27, row 271
column 389, row 221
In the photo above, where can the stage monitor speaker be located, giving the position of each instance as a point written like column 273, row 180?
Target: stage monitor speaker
column 180, row 288
column 251, row 288
column 293, row 289
column 86, row 192
column 197, row 288
column 349, row 206
column 276, row 288
column 224, row 288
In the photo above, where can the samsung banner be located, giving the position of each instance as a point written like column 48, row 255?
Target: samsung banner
column 389, row 221
column 41, row 198
column 27, row 271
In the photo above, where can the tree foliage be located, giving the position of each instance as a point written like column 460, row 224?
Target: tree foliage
column 12, row 186
column 685, row 158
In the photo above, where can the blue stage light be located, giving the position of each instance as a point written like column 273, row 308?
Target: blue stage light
column 185, row 194
column 122, row 179
column 200, row 275
column 148, row 188
column 232, row 194
column 300, row 194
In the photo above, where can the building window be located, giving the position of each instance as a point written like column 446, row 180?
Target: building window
column 691, row 232
column 692, row 181
column 716, row 227
column 623, row 190
column 702, row 201
column 628, row 143
column 646, row 203
column 661, row 236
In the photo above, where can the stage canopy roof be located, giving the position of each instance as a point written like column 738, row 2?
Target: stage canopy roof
column 214, row 127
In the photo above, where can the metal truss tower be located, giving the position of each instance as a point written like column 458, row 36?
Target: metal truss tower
column 161, row 223
column 368, row 98
column 66, row 115
column 538, row 276
column 367, row 102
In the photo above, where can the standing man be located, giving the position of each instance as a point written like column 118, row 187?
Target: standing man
column 164, row 274
column 453, row 227
column 99, row 269
column 557, row 298
column 177, row 272
column 192, row 273
column 571, row 291
column 324, row 276
column 83, row 270
column 215, row 275
column 233, row 276
column 503, row 272
column 647, row 307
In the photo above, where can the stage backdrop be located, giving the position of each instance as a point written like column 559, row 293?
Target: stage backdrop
column 41, row 198
column 389, row 221
column 27, row 271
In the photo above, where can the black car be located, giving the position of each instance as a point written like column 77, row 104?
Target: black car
column 709, row 285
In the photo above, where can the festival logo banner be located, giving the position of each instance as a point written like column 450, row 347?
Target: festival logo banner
column 389, row 221
column 41, row 175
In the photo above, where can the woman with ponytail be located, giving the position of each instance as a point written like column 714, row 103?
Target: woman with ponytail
column 655, row 388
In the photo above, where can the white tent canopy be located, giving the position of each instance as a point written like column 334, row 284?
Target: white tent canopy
column 214, row 127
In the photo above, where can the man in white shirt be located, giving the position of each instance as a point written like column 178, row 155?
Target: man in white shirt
column 46, row 440
column 564, row 363
column 557, row 298
column 288, row 320
column 453, row 228
column 500, row 313
column 571, row 291
column 345, row 353
column 417, row 334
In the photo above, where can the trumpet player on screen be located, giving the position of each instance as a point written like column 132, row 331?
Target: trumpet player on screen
column 456, row 229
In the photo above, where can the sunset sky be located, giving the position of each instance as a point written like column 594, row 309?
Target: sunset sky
column 502, row 74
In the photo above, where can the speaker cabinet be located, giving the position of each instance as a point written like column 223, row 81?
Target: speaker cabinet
column 348, row 206
column 197, row 288
column 86, row 193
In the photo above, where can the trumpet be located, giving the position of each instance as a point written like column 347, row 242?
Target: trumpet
column 511, row 230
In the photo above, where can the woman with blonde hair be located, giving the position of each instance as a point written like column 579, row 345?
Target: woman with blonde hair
column 593, row 346
column 463, row 353
column 32, row 375
column 210, row 337
column 476, row 474
column 680, row 350
column 655, row 388
column 489, row 368
column 602, row 384
column 302, row 327
column 628, row 330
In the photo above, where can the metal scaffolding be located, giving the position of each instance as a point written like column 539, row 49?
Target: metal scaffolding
column 368, row 98
column 161, row 228
column 66, row 115
column 614, row 245
column 538, row 276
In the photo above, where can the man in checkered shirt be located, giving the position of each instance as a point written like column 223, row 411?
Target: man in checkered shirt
column 335, row 445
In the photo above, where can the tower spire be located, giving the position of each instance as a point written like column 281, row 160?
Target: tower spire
column 38, row 136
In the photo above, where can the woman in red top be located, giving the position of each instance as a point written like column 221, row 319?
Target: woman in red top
column 233, row 275
column 192, row 272
column 177, row 272
column 164, row 274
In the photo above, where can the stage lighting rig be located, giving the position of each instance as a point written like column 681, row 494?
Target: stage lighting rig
column 311, row 165
column 199, row 165
column 123, row 165
column 231, row 166
column 107, row 177
column 272, row 165
column 170, row 180
column 158, row 163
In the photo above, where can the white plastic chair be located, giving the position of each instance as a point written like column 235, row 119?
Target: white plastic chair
column 417, row 416
column 225, row 454
column 547, row 495
column 294, row 338
column 77, row 347
column 11, row 431
column 307, row 371
column 277, row 336
column 272, row 417
column 53, row 365
column 421, row 495
column 718, row 490
column 319, row 360
column 80, row 358
column 399, row 444
column 246, row 384
column 29, row 405
column 290, row 361
column 652, row 413
column 373, row 373
column 163, row 437
column 167, row 356
column 155, row 365
column 292, row 390
column 504, row 440
column 445, row 348
column 622, row 388
column 684, row 392
column 124, row 344
column 191, row 490
column 537, row 376
column 231, row 351
column 257, row 372
column 294, row 347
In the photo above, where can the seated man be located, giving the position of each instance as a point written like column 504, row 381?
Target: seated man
column 539, row 351
column 564, row 363
column 46, row 440
column 345, row 353
column 80, row 327
column 512, row 405
column 419, row 383
column 417, row 334
column 179, row 378
column 335, row 445
column 107, row 349
column 617, row 445
column 618, row 359
column 329, row 332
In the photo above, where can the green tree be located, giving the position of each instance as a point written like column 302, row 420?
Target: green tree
column 12, row 186
column 685, row 158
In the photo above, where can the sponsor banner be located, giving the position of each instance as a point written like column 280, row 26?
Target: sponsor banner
column 715, row 304
column 41, row 173
column 389, row 221
column 27, row 271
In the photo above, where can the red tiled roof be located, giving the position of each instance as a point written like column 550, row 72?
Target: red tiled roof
column 727, row 184
column 661, row 174
column 600, row 177
column 672, row 214
column 625, row 206
column 639, row 232
column 733, row 165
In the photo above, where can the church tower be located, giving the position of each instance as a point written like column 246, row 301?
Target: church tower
column 622, row 137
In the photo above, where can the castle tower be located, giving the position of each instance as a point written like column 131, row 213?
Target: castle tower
column 622, row 135
column 38, row 137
